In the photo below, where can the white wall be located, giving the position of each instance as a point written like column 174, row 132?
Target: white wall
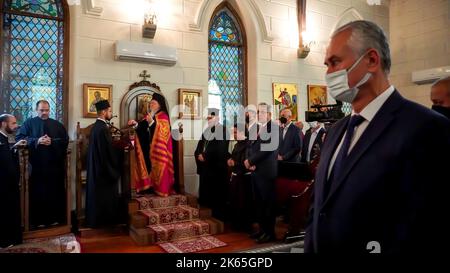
column 272, row 38
column 420, row 39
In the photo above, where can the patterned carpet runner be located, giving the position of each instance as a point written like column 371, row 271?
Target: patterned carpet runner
column 175, row 225
column 170, row 214
column 154, row 202
column 60, row 244
column 171, row 232
column 192, row 245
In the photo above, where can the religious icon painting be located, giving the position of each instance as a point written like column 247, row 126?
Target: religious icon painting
column 143, row 105
column 189, row 103
column 285, row 96
column 317, row 95
column 93, row 93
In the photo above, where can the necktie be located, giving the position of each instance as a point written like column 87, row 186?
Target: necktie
column 355, row 121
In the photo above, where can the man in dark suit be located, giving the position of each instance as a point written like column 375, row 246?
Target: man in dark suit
column 312, row 143
column 262, row 160
column 379, row 187
column 290, row 141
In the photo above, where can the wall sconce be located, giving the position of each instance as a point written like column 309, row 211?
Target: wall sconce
column 149, row 27
column 303, row 51
column 304, row 46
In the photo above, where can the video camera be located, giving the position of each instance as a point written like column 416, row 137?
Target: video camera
column 329, row 113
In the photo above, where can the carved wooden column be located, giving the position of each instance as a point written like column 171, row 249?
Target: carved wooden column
column 23, row 184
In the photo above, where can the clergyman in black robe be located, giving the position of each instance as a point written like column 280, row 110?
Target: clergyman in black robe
column 211, row 156
column 103, row 172
column 47, row 143
column 240, row 187
column 11, row 228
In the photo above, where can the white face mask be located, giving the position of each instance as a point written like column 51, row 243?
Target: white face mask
column 313, row 124
column 337, row 83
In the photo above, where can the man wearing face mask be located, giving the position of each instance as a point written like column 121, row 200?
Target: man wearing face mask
column 375, row 184
column 290, row 141
column 312, row 143
column 440, row 96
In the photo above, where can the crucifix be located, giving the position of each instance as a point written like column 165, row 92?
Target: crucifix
column 144, row 75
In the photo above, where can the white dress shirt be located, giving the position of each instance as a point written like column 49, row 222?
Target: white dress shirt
column 368, row 113
column 102, row 120
column 286, row 128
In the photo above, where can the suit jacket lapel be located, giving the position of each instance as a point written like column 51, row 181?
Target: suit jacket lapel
column 375, row 129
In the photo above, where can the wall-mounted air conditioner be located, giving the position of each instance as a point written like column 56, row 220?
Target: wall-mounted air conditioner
column 144, row 52
column 430, row 75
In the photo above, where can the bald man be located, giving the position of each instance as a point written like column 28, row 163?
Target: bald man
column 440, row 96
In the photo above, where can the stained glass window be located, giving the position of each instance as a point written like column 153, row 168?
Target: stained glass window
column 226, row 89
column 42, row 7
column 32, row 38
column 346, row 108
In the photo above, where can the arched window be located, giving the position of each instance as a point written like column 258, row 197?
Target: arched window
column 34, row 57
column 227, row 86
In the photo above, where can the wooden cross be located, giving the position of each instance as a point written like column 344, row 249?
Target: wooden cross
column 144, row 75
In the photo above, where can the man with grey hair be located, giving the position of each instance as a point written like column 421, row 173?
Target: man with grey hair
column 290, row 141
column 375, row 188
column 262, row 161
column 440, row 96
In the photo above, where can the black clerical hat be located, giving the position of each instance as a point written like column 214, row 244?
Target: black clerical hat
column 161, row 101
column 102, row 105
column 213, row 112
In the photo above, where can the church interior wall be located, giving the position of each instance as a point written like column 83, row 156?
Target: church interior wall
column 420, row 39
column 272, row 55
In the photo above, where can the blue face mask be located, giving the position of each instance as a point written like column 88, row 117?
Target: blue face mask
column 338, row 87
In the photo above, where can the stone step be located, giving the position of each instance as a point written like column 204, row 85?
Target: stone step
column 177, row 231
column 134, row 205
column 147, row 236
column 205, row 213
column 170, row 215
column 142, row 236
column 155, row 202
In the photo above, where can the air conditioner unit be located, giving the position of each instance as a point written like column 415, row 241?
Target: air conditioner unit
column 144, row 52
column 430, row 75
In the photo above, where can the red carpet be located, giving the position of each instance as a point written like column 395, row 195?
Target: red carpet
column 192, row 245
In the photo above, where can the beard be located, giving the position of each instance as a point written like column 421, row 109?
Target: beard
column 9, row 130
